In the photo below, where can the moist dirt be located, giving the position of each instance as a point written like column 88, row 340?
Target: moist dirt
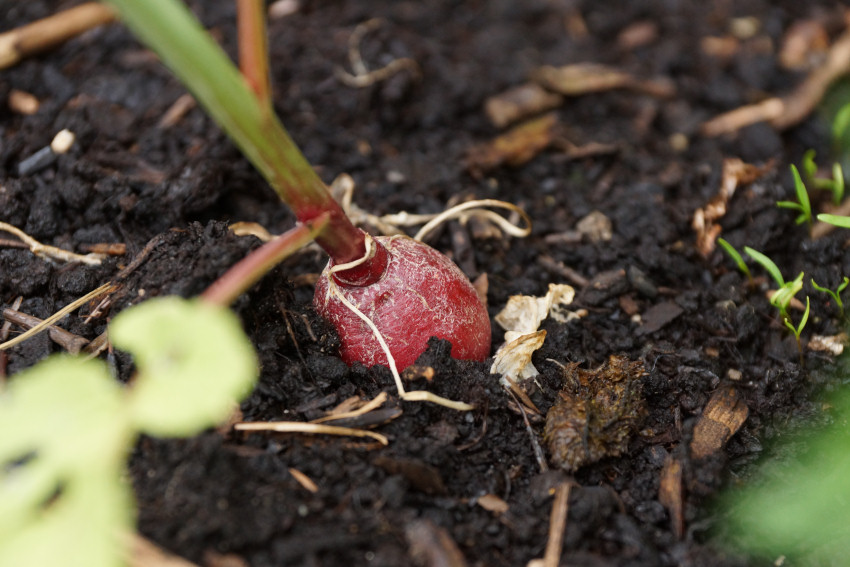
column 167, row 191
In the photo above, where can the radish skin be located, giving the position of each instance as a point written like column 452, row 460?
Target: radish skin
column 420, row 294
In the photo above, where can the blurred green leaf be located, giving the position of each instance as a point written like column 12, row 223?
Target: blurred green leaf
column 194, row 362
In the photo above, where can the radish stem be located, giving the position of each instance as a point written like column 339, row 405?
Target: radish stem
column 245, row 273
column 170, row 29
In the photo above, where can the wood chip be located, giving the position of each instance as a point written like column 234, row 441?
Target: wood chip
column 304, row 480
column 23, row 102
column 421, row 476
column 520, row 102
column 657, row 316
column 493, row 503
column 515, row 147
column 670, row 495
column 721, row 418
column 432, row 546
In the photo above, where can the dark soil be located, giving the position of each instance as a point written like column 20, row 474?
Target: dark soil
column 404, row 140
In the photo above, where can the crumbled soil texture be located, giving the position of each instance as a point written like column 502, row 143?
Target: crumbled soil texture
column 648, row 294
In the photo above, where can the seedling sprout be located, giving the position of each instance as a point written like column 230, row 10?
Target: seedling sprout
column 835, row 185
column 836, row 294
column 803, row 204
column 782, row 297
column 736, row 257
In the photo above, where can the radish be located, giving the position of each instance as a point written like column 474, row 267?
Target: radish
column 394, row 291
column 411, row 292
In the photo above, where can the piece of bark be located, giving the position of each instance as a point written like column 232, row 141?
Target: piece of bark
column 721, row 418
column 657, row 316
column 670, row 495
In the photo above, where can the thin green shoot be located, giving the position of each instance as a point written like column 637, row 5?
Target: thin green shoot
column 782, row 297
column 803, row 204
column 837, row 220
column 767, row 264
column 736, row 257
column 796, row 330
column 810, row 168
column 834, row 185
column 834, row 294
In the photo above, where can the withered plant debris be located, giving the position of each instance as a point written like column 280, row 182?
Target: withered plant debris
column 515, row 147
column 791, row 109
column 586, row 78
column 723, row 415
column 517, row 103
column 596, row 413
column 704, row 223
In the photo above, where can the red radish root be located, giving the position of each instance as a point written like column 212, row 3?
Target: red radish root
column 410, row 292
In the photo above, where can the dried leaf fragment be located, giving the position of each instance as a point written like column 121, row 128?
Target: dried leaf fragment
column 519, row 102
column 524, row 313
column 585, row 78
column 513, row 361
column 735, row 173
column 723, row 415
column 597, row 413
column 515, row 147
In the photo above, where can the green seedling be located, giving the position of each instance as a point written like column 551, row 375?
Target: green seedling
column 836, row 294
column 68, row 427
column 837, row 220
column 834, row 185
column 736, row 257
column 782, row 297
column 796, row 330
column 803, row 204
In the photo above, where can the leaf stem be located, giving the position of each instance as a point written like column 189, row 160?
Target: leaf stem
column 170, row 29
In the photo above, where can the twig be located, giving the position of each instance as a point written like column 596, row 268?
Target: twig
column 51, row 252
column 784, row 112
column 557, row 525
column 365, row 408
column 301, row 427
column 51, row 31
column 4, row 335
column 304, row 480
column 105, row 288
column 538, row 451
column 69, row 341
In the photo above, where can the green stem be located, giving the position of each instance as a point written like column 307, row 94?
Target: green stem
column 170, row 29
